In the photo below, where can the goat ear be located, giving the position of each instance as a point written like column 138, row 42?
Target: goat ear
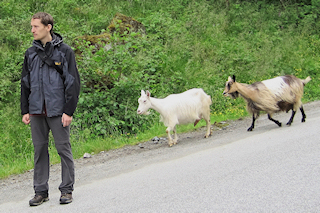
column 148, row 93
column 229, row 78
column 142, row 92
column 234, row 78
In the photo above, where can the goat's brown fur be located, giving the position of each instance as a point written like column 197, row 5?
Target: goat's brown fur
column 283, row 93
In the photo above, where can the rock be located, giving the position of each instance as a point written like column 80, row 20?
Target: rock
column 108, row 47
column 123, row 23
column 155, row 139
column 221, row 124
column 120, row 23
column 87, row 155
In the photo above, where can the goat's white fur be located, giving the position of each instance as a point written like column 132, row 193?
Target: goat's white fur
column 187, row 107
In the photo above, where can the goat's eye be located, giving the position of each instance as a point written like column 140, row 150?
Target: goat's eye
column 144, row 101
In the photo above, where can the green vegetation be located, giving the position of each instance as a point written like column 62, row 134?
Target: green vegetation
column 187, row 44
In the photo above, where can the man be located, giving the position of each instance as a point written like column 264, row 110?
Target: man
column 48, row 101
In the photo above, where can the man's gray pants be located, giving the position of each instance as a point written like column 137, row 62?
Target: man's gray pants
column 40, row 127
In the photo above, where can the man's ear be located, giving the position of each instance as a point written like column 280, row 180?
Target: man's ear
column 49, row 27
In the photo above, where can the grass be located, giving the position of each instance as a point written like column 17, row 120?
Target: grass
column 93, row 145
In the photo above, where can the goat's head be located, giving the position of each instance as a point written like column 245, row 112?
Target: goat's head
column 231, row 88
column 144, row 103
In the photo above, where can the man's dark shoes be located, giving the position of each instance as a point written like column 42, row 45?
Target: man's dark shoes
column 38, row 200
column 66, row 198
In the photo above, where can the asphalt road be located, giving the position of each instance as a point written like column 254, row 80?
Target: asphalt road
column 271, row 169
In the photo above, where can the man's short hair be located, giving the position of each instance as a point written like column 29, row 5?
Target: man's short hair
column 45, row 19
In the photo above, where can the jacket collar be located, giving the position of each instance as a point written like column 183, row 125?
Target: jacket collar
column 56, row 40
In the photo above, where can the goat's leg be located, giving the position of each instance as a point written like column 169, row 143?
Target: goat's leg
column 303, row 114
column 170, row 143
column 208, row 133
column 252, row 125
column 271, row 119
column 291, row 119
column 175, row 140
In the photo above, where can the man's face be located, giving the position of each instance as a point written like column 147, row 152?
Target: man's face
column 39, row 30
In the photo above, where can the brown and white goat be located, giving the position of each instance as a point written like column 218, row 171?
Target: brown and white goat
column 282, row 93
column 187, row 107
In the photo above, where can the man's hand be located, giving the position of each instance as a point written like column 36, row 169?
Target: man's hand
column 26, row 119
column 66, row 120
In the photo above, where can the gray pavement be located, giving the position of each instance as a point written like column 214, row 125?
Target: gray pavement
column 270, row 170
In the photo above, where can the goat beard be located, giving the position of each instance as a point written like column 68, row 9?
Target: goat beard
column 146, row 113
column 234, row 95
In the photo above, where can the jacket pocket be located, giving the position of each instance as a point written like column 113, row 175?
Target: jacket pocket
column 55, row 103
column 35, row 100
column 55, row 77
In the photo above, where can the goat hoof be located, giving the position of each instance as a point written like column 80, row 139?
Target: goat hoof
column 303, row 120
column 288, row 124
column 207, row 135
column 250, row 129
column 171, row 143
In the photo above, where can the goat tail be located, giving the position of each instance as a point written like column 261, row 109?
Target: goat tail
column 305, row 81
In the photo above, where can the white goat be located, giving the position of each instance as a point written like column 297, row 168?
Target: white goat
column 187, row 107
column 282, row 93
